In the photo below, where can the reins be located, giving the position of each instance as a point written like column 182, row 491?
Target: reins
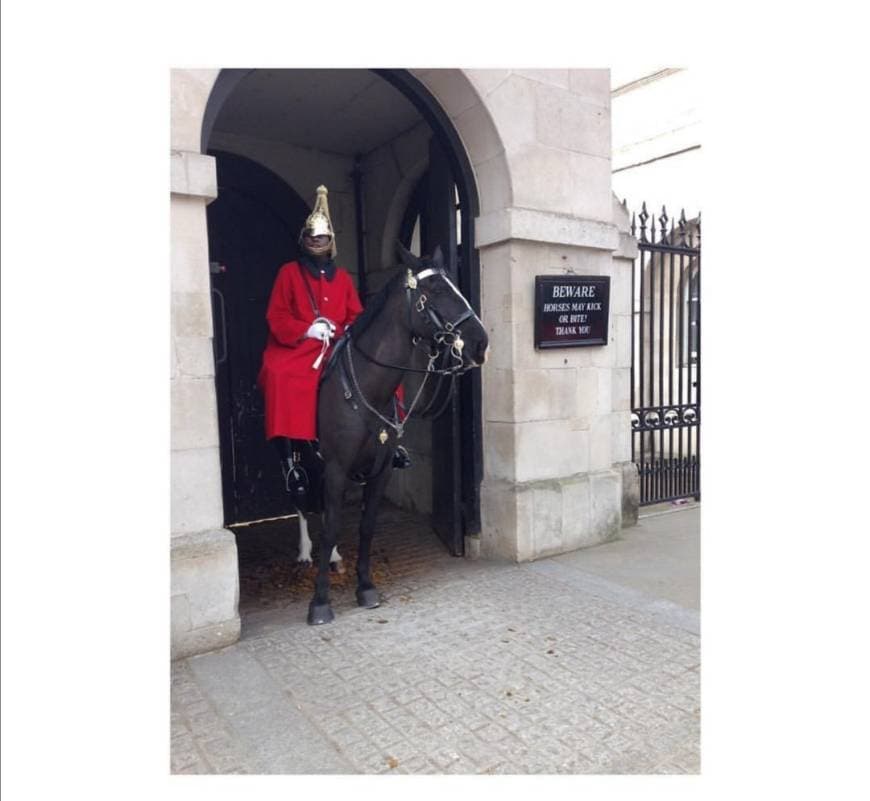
column 406, row 368
column 399, row 426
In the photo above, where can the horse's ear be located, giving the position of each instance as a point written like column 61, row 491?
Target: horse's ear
column 438, row 258
column 407, row 258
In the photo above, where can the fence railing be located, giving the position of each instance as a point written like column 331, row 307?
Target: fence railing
column 666, row 356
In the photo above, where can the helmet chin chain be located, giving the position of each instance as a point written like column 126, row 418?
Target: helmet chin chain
column 323, row 250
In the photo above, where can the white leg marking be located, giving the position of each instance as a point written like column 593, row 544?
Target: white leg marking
column 336, row 556
column 304, row 541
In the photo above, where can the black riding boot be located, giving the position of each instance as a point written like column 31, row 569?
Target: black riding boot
column 401, row 460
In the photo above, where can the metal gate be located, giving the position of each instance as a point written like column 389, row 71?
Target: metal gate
column 666, row 356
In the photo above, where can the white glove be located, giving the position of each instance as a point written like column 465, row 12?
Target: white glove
column 319, row 331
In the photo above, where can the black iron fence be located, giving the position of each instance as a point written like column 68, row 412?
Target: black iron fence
column 666, row 356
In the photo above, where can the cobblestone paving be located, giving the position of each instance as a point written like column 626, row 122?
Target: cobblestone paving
column 467, row 667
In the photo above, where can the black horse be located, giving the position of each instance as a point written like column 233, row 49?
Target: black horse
column 418, row 323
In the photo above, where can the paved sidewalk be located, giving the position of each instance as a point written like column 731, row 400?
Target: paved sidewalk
column 582, row 663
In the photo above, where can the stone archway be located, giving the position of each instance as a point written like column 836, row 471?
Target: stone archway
column 537, row 143
column 205, row 597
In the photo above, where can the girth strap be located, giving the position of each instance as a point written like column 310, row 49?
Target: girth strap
column 345, row 386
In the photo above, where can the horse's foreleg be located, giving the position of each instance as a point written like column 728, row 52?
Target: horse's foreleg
column 319, row 610
column 366, row 592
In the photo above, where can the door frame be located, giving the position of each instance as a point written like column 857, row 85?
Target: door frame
column 471, row 428
column 471, row 422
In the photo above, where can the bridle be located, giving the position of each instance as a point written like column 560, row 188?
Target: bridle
column 446, row 338
column 447, row 334
column 445, row 342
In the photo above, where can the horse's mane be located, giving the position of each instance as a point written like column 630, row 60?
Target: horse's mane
column 376, row 303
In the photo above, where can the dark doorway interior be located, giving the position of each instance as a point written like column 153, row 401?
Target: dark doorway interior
column 252, row 230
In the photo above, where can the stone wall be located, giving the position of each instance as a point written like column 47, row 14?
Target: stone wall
column 623, row 261
column 204, row 569
column 556, row 423
column 391, row 174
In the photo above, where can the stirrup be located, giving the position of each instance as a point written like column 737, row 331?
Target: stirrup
column 401, row 460
column 296, row 484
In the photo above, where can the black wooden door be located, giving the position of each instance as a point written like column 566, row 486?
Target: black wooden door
column 252, row 229
column 438, row 227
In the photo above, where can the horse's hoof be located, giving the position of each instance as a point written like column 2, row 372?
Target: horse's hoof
column 318, row 614
column 337, row 567
column 370, row 599
column 304, row 562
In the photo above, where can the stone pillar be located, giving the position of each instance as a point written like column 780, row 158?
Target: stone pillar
column 623, row 262
column 556, row 422
column 204, row 562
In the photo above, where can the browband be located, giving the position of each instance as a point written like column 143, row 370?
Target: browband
column 428, row 273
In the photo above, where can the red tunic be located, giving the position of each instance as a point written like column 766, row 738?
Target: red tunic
column 287, row 379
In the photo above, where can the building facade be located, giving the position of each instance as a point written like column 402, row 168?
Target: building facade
column 657, row 129
column 510, row 170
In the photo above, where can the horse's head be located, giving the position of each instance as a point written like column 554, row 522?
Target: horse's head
column 438, row 311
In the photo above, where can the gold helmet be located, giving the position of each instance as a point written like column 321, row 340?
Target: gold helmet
column 319, row 224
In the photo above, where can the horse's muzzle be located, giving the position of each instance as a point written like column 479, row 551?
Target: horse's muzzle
column 474, row 347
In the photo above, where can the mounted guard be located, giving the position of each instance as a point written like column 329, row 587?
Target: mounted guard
column 312, row 303
column 341, row 424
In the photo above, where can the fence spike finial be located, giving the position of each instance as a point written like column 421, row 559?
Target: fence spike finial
column 663, row 221
column 643, row 217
